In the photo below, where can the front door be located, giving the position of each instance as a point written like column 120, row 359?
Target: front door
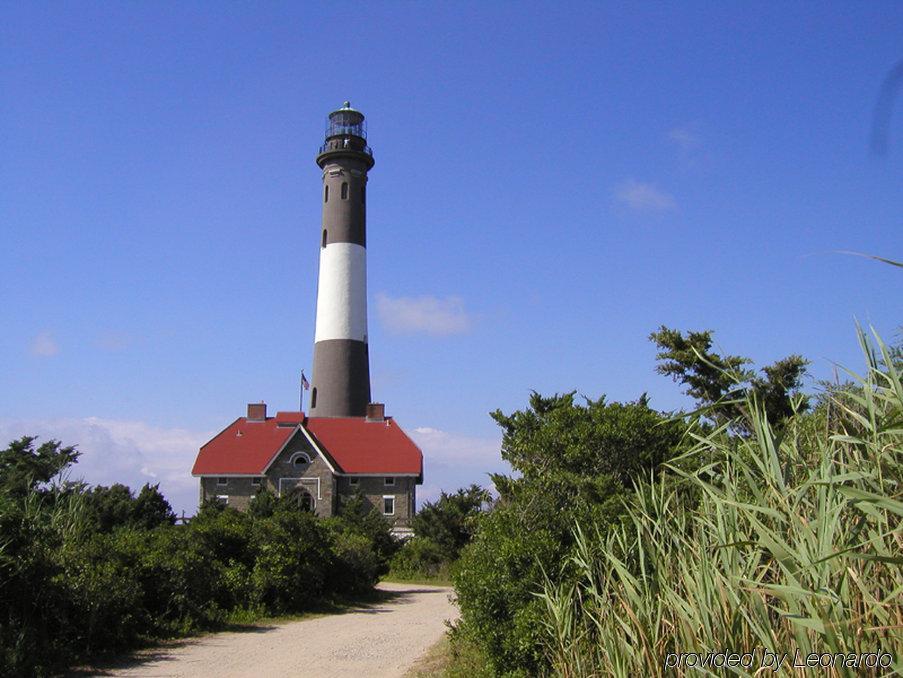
column 305, row 490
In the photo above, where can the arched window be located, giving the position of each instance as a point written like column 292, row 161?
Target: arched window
column 326, row 193
column 344, row 190
column 300, row 459
column 313, row 398
column 324, row 238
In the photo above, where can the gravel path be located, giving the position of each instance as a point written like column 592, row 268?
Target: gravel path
column 382, row 639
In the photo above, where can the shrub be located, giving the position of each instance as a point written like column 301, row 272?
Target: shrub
column 577, row 462
column 449, row 522
column 357, row 566
column 359, row 515
column 419, row 557
column 292, row 558
column 34, row 614
column 88, row 572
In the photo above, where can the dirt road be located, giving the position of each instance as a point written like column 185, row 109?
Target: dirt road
column 381, row 639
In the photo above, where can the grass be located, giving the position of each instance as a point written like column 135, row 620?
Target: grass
column 395, row 578
column 451, row 657
column 434, row 662
column 794, row 543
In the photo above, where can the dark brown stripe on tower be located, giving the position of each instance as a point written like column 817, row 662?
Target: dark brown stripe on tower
column 341, row 384
column 344, row 219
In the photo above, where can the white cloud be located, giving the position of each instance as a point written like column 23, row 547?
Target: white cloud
column 430, row 315
column 684, row 137
column 453, row 460
column 644, row 197
column 44, row 345
column 128, row 452
column 113, row 341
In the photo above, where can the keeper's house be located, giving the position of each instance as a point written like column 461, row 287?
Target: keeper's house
column 322, row 459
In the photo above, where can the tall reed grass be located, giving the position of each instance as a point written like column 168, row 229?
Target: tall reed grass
column 792, row 543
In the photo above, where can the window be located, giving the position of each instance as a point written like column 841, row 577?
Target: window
column 344, row 190
column 222, row 499
column 313, row 398
column 353, row 481
column 389, row 481
column 388, row 506
column 326, row 193
column 300, row 459
column 324, row 238
column 255, row 482
column 222, row 481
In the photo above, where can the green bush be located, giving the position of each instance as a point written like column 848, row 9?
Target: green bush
column 577, row 462
column 449, row 522
column 419, row 557
column 86, row 572
column 292, row 558
column 357, row 566
column 35, row 617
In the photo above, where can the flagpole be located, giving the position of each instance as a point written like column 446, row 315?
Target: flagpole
column 305, row 386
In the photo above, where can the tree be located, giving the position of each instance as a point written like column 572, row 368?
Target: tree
column 449, row 521
column 150, row 508
column 555, row 434
column 720, row 384
column 24, row 468
column 116, row 506
column 109, row 507
column 358, row 514
column 576, row 462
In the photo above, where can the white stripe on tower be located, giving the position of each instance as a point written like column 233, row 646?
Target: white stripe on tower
column 342, row 293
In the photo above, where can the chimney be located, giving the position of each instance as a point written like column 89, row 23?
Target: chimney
column 376, row 412
column 257, row 411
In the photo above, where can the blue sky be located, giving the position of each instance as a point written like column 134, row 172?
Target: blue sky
column 552, row 183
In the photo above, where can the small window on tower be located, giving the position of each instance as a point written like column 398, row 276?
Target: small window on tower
column 344, row 190
column 324, row 238
column 313, row 398
column 326, row 193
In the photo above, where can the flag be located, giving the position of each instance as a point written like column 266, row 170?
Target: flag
column 305, row 384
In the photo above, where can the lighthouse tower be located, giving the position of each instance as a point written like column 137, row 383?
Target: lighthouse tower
column 341, row 370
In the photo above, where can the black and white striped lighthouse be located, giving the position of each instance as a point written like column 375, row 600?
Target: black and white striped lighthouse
column 341, row 370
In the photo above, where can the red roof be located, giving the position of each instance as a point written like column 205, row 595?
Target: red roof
column 361, row 446
column 244, row 448
column 352, row 444
column 284, row 418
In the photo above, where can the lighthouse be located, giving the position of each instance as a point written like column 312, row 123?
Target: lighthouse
column 347, row 446
column 341, row 369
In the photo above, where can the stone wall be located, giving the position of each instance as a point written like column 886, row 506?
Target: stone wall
column 374, row 489
column 316, row 477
